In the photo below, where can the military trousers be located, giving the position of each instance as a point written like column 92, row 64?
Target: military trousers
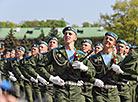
column 105, row 95
column 124, row 93
column 68, row 93
column 87, row 92
column 47, row 93
column 28, row 91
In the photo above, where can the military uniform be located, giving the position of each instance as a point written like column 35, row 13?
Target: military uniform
column 8, row 68
column 34, row 68
column 129, row 66
column 62, row 68
column 110, row 92
column 27, row 84
column 29, row 67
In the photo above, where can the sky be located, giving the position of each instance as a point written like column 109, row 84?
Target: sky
column 73, row 11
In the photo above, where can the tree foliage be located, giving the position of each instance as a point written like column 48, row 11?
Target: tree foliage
column 124, row 21
column 8, row 24
column 10, row 41
column 42, row 23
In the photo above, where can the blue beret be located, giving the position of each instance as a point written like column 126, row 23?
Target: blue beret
column 121, row 41
column 60, row 45
column 133, row 47
column 99, row 44
column 35, row 45
column 13, row 50
column 69, row 28
column 7, row 52
column 5, row 85
column 86, row 41
column 28, row 52
column 114, row 46
column 22, row 48
column 52, row 38
column 128, row 45
column 43, row 42
column 112, row 34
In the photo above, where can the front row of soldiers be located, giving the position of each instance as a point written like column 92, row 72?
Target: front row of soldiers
column 65, row 74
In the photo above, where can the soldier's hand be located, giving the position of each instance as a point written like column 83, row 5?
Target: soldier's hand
column 99, row 83
column 33, row 80
column 24, row 78
column 12, row 78
column 79, row 65
column 57, row 80
column 42, row 80
column 117, row 69
column 11, row 74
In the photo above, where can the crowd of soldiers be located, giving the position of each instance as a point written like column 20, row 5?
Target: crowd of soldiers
column 107, row 72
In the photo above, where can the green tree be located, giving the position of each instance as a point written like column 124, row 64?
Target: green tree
column 10, row 41
column 86, row 24
column 25, row 43
column 41, row 37
column 124, row 21
column 8, row 24
column 54, row 33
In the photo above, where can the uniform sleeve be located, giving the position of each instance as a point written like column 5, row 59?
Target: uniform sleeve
column 130, row 66
column 90, row 73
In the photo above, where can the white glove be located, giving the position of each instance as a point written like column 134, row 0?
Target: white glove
column 13, row 78
column 33, row 80
column 57, row 80
column 99, row 83
column 79, row 65
column 117, row 68
column 42, row 80
column 80, row 83
column 11, row 74
column 24, row 78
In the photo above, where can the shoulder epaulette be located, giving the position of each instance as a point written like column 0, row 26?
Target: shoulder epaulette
column 12, row 59
column 81, row 52
column 41, row 53
column 93, row 55
column 1, row 59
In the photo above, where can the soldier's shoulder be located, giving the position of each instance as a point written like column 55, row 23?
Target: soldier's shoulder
column 81, row 52
column 94, row 55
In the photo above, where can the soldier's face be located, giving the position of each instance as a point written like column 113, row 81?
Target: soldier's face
column 85, row 47
column 35, row 51
column 98, row 48
column 7, row 55
column 12, row 54
column 43, row 48
column 20, row 53
column 52, row 44
column 120, row 48
column 127, row 49
column 108, row 42
column 69, row 37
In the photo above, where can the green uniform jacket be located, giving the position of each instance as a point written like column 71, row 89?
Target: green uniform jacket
column 58, row 58
column 102, row 69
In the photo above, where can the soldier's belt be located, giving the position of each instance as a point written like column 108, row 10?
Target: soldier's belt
column 73, row 83
column 110, row 86
column 87, row 84
column 122, row 83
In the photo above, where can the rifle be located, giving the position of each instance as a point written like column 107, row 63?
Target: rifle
column 108, row 79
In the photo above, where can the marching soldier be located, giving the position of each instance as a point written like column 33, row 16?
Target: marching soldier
column 98, row 47
column 124, row 89
column 129, row 66
column 86, row 47
column 68, row 69
column 52, row 43
column 105, row 89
